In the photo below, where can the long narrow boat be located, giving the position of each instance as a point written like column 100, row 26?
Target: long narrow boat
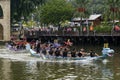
column 106, row 52
column 14, row 50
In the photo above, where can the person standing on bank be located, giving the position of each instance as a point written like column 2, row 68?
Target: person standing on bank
column 106, row 44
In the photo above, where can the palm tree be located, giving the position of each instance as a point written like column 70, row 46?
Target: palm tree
column 96, row 6
column 81, row 6
column 81, row 10
column 112, row 10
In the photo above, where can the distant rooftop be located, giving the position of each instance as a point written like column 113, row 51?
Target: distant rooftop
column 94, row 16
column 78, row 19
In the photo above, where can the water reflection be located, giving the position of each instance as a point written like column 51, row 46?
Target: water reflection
column 63, row 71
column 36, row 70
column 5, row 69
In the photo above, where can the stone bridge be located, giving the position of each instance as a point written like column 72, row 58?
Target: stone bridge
column 5, row 20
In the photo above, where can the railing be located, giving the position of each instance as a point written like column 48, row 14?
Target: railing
column 37, row 34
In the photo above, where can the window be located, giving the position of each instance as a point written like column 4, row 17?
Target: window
column 1, row 12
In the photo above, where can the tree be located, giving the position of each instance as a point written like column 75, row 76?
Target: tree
column 81, row 8
column 23, row 8
column 96, row 6
column 112, row 9
column 56, row 11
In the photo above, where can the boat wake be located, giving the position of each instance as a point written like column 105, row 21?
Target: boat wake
column 27, row 57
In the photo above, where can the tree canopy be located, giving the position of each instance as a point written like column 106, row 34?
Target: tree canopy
column 56, row 11
column 23, row 8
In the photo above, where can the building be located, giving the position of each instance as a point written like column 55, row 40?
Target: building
column 4, row 20
column 95, row 19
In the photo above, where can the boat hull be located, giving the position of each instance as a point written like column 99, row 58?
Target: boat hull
column 34, row 54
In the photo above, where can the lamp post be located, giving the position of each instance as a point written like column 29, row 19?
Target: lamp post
column 32, row 18
column 87, row 27
column 38, row 24
column 21, row 27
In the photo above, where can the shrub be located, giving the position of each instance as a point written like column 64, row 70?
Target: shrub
column 103, row 29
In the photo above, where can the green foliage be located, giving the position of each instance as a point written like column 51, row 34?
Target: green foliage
column 30, row 24
column 111, row 11
column 103, row 28
column 23, row 8
column 56, row 11
column 81, row 4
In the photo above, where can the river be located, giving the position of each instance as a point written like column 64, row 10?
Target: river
column 33, row 69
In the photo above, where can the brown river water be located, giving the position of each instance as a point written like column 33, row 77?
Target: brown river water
column 14, row 66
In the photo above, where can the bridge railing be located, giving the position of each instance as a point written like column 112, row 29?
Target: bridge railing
column 36, row 34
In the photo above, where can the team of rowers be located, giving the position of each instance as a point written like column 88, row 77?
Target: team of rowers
column 16, row 44
column 58, row 50
column 53, row 49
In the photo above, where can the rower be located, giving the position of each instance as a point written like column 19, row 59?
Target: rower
column 93, row 54
column 65, row 52
column 28, row 47
column 79, row 54
column 68, row 43
column 57, row 52
column 82, row 52
column 73, row 53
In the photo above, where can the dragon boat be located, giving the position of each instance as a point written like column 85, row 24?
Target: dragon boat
column 14, row 50
column 106, row 52
column 16, row 46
